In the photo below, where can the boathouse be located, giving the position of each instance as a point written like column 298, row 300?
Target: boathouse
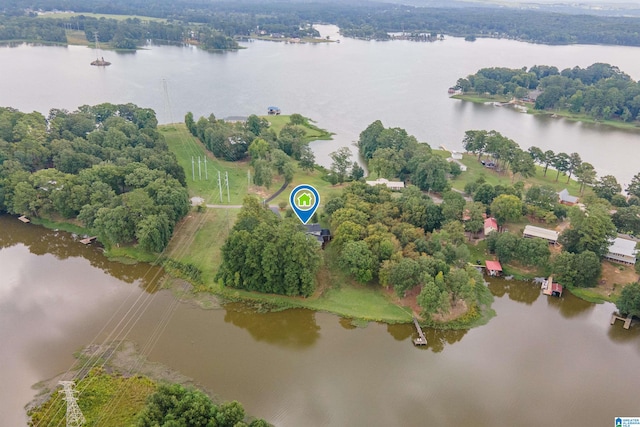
column 551, row 289
column 494, row 268
column 550, row 236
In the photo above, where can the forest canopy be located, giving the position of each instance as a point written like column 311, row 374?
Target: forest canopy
column 104, row 166
column 362, row 19
column 600, row 90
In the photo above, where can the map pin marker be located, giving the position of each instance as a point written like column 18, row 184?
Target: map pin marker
column 304, row 201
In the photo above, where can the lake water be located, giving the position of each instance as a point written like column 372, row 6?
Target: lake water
column 540, row 361
column 344, row 87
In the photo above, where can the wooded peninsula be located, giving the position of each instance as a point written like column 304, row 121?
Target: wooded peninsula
column 107, row 170
column 600, row 92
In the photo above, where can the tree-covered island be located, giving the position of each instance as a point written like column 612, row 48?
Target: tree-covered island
column 599, row 92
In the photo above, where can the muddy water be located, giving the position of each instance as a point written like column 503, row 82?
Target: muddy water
column 540, row 361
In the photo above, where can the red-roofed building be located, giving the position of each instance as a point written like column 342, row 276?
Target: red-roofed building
column 551, row 289
column 493, row 268
column 490, row 224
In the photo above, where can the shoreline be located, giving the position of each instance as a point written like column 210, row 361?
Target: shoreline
column 565, row 114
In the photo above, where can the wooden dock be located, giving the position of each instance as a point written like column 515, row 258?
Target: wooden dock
column 626, row 320
column 88, row 240
column 24, row 219
column 421, row 340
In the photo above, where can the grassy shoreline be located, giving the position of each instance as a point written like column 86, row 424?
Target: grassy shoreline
column 565, row 114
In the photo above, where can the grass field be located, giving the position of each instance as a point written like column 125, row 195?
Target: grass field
column 476, row 170
column 186, row 148
column 312, row 132
column 76, row 37
column 63, row 15
column 107, row 400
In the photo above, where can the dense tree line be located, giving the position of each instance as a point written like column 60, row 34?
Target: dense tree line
column 366, row 20
column 393, row 153
column 173, row 405
column 120, row 34
column 399, row 242
column 266, row 254
column 105, row 166
column 601, row 90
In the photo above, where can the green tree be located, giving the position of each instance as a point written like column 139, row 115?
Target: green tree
column 634, row 186
column 606, row 187
column 586, row 175
column 506, row 208
column 307, row 159
column 561, row 164
column 341, row 163
column 452, row 206
column 357, row 258
column 174, row 406
column 629, row 300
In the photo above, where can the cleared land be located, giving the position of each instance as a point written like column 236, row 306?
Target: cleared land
column 99, row 15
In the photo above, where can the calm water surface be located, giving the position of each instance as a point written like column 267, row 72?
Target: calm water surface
column 344, row 87
column 540, row 361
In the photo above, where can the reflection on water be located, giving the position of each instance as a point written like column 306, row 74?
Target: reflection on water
column 570, row 305
column 516, row 290
column 63, row 245
column 297, row 367
column 295, row 328
column 437, row 340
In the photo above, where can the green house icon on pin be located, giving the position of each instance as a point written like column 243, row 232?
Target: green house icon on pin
column 304, row 200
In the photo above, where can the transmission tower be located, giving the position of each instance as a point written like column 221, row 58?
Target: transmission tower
column 74, row 414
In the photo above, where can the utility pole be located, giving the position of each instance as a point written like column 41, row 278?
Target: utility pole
column 199, row 169
column 248, row 178
column 193, row 168
column 220, row 186
column 206, row 175
column 74, row 414
column 226, row 180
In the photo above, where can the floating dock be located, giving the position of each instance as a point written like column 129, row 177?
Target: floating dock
column 24, row 219
column 88, row 240
column 421, row 340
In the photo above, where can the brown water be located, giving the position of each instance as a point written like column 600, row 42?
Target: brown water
column 540, row 361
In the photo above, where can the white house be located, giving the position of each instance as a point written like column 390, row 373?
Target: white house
column 622, row 250
column 393, row 185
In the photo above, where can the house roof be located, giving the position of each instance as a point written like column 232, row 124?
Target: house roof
column 493, row 265
column 389, row 184
column 544, row 233
column 556, row 287
column 491, row 222
column 273, row 107
column 623, row 247
column 566, row 197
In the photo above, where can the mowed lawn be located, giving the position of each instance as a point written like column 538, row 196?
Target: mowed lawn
column 187, row 148
column 475, row 170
